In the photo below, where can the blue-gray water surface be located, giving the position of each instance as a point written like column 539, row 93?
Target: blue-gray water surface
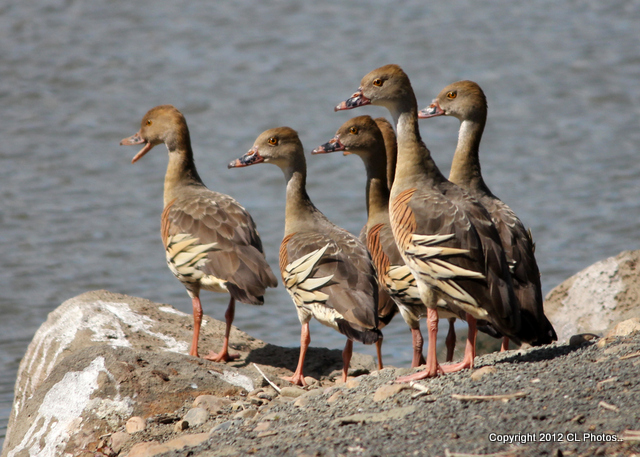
column 561, row 144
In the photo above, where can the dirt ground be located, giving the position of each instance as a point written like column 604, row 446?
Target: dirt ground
column 558, row 400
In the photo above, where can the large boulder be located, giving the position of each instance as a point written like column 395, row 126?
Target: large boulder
column 598, row 298
column 103, row 358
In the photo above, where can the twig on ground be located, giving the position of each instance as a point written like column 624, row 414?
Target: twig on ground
column 265, row 377
column 608, row 406
column 422, row 390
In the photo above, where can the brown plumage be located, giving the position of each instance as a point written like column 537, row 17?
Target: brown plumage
column 376, row 147
column 444, row 235
column 211, row 242
column 466, row 101
column 326, row 270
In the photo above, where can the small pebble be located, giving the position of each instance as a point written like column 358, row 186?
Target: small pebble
column 135, row 424
column 180, row 426
column 388, row 391
column 478, row 374
column 246, row 414
column 196, row 416
column 211, row 403
column 310, row 381
column 292, row 392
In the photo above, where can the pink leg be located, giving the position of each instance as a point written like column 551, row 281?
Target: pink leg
column 379, row 351
column 505, row 344
column 305, row 339
column 346, row 359
column 433, row 368
column 223, row 355
column 469, row 350
column 418, row 343
column 451, row 339
column 197, row 320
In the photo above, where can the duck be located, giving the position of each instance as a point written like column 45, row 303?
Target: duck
column 326, row 270
column 466, row 101
column 374, row 141
column 444, row 235
column 211, row 242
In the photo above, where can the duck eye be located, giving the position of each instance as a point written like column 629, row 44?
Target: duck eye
column 451, row 95
column 149, row 122
column 353, row 130
column 273, row 141
column 377, row 82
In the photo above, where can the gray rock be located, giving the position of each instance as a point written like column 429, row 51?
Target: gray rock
column 222, row 427
column 597, row 298
column 196, row 416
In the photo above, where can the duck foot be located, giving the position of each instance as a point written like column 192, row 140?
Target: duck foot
column 296, row 379
column 223, row 356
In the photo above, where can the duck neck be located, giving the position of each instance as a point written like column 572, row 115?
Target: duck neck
column 299, row 208
column 181, row 170
column 465, row 168
column 377, row 188
column 414, row 159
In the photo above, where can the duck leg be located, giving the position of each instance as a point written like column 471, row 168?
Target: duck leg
column 469, row 350
column 433, row 368
column 197, row 320
column 379, row 351
column 418, row 343
column 451, row 339
column 305, row 339
column 223, row 355
column 346, row 358
column 505, row 344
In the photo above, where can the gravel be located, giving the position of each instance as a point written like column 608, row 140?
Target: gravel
column 579, row 400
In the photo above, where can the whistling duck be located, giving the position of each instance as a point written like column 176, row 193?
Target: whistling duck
column 466, row 101
column 374, row 141
column 387, row 307
column 326, row 270
column 211, row 241
column 444, row 235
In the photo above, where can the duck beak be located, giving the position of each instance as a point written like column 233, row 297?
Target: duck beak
column 432, row 110
column 137, row 139
column 332, row 146
column 250, row 158
column 357, row 99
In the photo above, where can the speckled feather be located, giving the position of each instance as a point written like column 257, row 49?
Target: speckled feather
column 352, row 288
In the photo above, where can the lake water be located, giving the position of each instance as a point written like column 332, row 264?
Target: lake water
column 561, row 145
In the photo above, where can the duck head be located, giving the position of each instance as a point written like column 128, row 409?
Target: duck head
column 280, row 146
column 464, row 100
column 162, row 124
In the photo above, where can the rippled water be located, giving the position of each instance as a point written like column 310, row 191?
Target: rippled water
column 561, row 146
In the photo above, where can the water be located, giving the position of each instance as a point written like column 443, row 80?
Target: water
column 76, row 77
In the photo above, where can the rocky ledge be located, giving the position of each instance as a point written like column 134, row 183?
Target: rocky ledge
column 109, row 375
